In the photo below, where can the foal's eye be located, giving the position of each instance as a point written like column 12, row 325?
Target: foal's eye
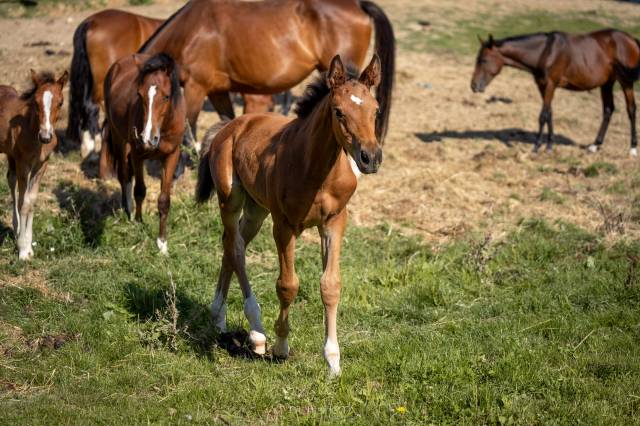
column 166, row 98
column 339, row 114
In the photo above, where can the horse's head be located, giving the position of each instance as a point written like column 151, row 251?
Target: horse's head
column 354, row 113
column 157, row 87
column 48, row 100
column 488, row 64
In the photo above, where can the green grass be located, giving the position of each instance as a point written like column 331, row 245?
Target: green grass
column 542, row 326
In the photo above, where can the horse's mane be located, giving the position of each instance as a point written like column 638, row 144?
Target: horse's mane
column 45, row 77
column 521, row 37
column 316, row 91
column 162, row 62
column 161, row 27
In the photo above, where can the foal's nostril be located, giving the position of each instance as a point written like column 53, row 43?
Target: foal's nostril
column 364, row 157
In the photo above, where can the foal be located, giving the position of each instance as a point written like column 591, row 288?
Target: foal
column 571, row 61
column 28, row 137
column 303, row 172
column 145, row 115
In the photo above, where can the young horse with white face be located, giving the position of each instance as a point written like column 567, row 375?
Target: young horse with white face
column 28, row 137
column 145, row 116
column 301, row 172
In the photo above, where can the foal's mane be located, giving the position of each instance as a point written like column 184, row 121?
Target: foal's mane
column 45, row 77
column 316, row 91
column 162, row 62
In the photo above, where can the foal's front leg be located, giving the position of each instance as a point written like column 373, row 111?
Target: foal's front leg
column 28, row 185
column 164, row 200
column 331, row 235
column 12, row 179
column 139, row 188
column 287, row 284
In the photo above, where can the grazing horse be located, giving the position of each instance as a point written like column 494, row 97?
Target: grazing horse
column 27, row 137
column 287, row 40
column 145, row 119
column 98, row 42
column 571, row 61
column 303, row 172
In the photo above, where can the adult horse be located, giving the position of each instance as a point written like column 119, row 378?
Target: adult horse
column 98, row 42
column 27, row 137
column 570, row 61
column 269, row 46
column 145, row 120
column 303, row 172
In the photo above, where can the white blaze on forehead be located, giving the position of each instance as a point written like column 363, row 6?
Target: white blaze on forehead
column 356, row 100
column 47, row 97
column 147, row 129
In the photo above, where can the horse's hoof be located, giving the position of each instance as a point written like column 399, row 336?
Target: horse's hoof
column 332, row 356
column 281, row 348
column 535, row 149
column 163, row 246
column 592, row 148
column 258, row 342
column 633, row 152
column 25, row 254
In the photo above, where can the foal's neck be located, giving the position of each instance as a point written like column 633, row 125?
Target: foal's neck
column 524, row 53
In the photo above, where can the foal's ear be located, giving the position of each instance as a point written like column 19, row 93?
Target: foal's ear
column 336, row 76
column 63, row 78
column 491, row 41
column 138, row 61
column 480, row 40
column 370, row 77
column 34, row 77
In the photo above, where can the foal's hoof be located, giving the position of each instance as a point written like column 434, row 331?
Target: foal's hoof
column 593, row 148
column 258, row 342
column 25, row 254
column 633, row 152
column 163, row 246
column 281, row 348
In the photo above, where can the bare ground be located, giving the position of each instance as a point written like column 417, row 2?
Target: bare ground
column 455, row 161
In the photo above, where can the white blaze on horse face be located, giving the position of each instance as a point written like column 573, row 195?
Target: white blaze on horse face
column 356, row 100
column 47, row 97
column 146, row 137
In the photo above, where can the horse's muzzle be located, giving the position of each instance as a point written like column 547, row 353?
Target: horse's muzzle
column 477, row 87
column 368, row 161
column 45, row 137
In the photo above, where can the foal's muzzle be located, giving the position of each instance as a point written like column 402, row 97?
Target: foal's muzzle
column 478, row 87
column 45, row 137
column 368, row 161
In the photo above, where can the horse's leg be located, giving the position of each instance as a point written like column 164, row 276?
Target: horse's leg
column 32, row 188
column 231, row 205
column 126, row 188
column 12, row 180
column 139, row 188
column 223, row 105
column 287, row 284
column 252, row 218
column 546, row 91
column 164, row 199
column 193, row 96
column 631, row 111
column 606, row 93
column 25, row 204
column 331, row 235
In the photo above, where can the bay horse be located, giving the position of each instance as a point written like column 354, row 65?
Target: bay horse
column 98, row 42
column 576, row 62
column 287, row 40
column 27, row 137
column 303, row 172
column 145, row 120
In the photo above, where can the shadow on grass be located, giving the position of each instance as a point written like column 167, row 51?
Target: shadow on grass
column 193, row 322
column 90, row 207
column 5, row 232
column 505, row 136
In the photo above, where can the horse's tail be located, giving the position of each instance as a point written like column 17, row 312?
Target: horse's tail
column 205, row 185
column 83, row 113
column 385, row 47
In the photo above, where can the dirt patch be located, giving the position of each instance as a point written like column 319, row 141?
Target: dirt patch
column 34, row 279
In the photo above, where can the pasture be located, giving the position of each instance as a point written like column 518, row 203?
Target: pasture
column 481, row 283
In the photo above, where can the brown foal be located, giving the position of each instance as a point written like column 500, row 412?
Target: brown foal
column 571, row 61
column 27, row 137
column 303, row 172
column 146, row 119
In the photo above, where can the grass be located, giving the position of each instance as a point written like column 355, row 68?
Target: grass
column 540, row 326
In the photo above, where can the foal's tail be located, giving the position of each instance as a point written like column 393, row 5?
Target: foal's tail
column 205, row 185
column 83, row 113
column 385, row 47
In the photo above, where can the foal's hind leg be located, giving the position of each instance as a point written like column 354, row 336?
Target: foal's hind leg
column 139, row 189
column 126, row 187
column 252, row 218
column 231, row 205
column 631, row 111
column 606, row 93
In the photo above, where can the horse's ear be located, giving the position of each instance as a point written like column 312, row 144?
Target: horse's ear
column 336, row 76
column 480, row 40
column 34, row 77
column 370, row 77
column 63, row 78
column 139, row 62
column 491, row 41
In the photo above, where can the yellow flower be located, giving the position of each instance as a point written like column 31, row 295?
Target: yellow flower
column 401, row 409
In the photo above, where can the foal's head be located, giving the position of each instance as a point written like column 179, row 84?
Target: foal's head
column 158, row 91
column 488, row 64
column 354, row 112
column 47, row 99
